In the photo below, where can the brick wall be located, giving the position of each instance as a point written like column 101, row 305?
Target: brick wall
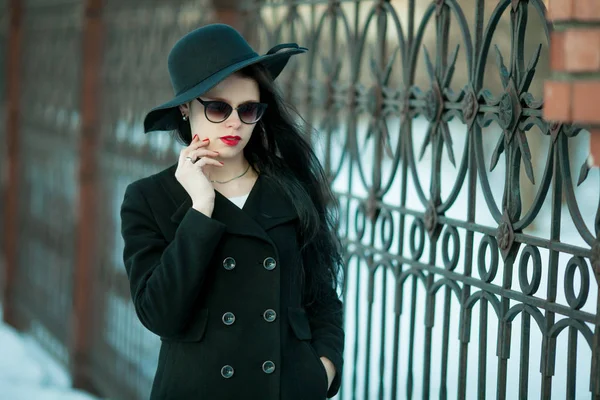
column 573, row 92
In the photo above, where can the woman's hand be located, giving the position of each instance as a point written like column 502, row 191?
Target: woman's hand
column 330, row 368
column 191, row 174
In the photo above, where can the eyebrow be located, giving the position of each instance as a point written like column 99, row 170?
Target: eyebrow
column 214, row 98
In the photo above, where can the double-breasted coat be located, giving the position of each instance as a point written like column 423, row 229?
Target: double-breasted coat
column 225, row 294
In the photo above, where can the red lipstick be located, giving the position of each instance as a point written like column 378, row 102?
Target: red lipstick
column 230, row 140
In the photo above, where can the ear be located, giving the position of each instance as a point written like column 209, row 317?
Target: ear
column 184, row 108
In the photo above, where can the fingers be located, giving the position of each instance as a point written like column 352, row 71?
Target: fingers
column 194, row 145
column 208, row 161
column 196, row 154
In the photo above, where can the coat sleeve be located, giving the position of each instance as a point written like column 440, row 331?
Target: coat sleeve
column 326, row 321
column 165, row 278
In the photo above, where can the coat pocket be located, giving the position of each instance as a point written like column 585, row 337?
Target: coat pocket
column 321, row 368
column 301, row 327
column 299, row 323
column 194, row 332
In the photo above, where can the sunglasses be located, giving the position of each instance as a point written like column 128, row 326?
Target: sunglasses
column 219, row 111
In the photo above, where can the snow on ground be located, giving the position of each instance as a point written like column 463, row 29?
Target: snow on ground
column 28, row 372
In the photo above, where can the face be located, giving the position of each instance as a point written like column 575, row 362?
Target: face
column 228, row 137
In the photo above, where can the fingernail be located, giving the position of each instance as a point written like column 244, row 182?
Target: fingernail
column 221, row 163
column 217, row 152
column 205, row 140
column 195, row 137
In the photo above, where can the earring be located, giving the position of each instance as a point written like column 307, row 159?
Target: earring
column 184, row 117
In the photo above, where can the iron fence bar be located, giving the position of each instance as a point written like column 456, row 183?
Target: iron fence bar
column 411, row 348
column 524, row 357
column 10, row 211
column 595, row 370
column 445, row 344
column 353, row 149
column 375, row 189
column 370, row 301
column 409, row 78
column 549, row 344
column 86, row 238
column 465, row 318
column 429, row 312
column 572, row 364
column 350, row 135
column 482, row 355
column 504, row 331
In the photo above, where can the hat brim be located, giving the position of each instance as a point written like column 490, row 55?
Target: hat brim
column 166, row 116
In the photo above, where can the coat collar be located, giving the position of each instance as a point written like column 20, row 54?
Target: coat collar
column 265, row 208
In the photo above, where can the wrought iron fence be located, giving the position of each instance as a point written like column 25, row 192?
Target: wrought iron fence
column 470, row 223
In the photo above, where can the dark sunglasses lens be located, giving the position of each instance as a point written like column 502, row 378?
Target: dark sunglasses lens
column 218, row 111
column 251, row 112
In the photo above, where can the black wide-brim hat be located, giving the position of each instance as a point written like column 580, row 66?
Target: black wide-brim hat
column 203, row 58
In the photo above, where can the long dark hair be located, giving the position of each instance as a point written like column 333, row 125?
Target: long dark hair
column 279, row 149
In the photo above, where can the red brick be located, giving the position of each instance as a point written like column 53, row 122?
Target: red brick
column 587, row 10
column 582, row 50
column 557, row 51
column 595, row 146
column 586, row 102
column 559, row 10
column 557, row 101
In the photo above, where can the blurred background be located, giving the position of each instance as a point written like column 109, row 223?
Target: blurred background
column 468, row 220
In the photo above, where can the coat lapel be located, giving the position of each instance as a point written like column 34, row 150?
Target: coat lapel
column 270, row 207
column 265, row 208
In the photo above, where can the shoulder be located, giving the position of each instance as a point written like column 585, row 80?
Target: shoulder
column 153, row 181
column 151, row 185
column 157, row 196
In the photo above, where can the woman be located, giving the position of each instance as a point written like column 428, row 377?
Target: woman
column 231, row 253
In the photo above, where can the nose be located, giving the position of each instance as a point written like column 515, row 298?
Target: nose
column 233, row 120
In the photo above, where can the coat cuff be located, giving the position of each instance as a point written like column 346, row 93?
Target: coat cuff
column 194, row 218
column 337, row 360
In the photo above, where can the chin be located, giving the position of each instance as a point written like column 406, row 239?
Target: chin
column 228, row 152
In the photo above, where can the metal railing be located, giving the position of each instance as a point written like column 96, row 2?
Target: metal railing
column 471, row 224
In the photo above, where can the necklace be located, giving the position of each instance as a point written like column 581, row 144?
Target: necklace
column 232, row 179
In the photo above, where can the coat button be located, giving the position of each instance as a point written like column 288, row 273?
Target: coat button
column 269, row 315
column 229, row 263
column 268, row 367
column 227, row 371
column 228, row 318
column 269, row 263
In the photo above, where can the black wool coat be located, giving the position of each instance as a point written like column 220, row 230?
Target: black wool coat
column 225, row 295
